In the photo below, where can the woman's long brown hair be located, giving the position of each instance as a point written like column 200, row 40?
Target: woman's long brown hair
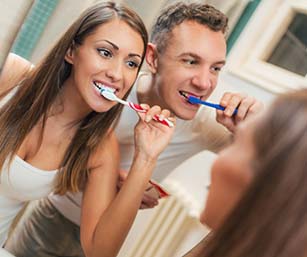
column 36, row 93
column 271, row 218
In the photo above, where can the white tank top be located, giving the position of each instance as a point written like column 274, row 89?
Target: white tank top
column 20, row 182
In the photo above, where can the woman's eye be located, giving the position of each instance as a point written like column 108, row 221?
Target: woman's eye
column 133, row 64
column 104, row 52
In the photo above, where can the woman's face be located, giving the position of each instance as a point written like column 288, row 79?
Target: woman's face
column 109, row 57
column 231, row 173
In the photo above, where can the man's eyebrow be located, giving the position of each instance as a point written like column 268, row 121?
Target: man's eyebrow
column 190, row 54
column 222, row 62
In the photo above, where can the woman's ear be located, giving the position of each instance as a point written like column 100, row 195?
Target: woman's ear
column 152, row 57
column 69, row 56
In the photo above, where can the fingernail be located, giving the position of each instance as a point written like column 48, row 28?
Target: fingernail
column 228, row 112
column 147, row 118
column 144, row 106
column 161, row 117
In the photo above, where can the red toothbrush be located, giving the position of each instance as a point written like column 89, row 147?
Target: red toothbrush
column 112, row 97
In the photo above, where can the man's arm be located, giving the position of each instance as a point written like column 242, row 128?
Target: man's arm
column 217, row 127
column 214, row 135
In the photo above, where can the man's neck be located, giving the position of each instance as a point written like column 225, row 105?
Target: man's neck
column 147, row 90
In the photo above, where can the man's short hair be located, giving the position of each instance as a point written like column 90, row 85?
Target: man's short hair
column 177, row 13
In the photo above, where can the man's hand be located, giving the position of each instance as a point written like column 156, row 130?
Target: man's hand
column 246, row 106
column 150, row 197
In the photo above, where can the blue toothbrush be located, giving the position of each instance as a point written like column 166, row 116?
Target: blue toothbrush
column 195, row 100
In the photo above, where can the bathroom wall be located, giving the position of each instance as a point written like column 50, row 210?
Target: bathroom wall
column 11, row 19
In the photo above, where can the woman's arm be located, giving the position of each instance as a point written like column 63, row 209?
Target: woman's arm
column 107, row 216
column 99, row 192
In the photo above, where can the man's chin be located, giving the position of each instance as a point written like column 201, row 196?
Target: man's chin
column 185, row 115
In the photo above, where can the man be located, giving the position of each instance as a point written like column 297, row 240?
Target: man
column 185, row 56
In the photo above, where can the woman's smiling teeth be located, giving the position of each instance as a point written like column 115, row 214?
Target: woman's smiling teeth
column 101, row 86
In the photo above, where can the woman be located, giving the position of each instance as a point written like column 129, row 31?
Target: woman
column 56, row 129
column 267, row 215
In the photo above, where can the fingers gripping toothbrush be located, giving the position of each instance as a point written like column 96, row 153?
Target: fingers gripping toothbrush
column 108, row 94
column 195, row 100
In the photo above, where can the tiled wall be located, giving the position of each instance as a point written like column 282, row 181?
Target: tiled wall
column 33, row 27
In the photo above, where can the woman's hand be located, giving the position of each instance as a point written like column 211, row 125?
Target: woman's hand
column 151, row 137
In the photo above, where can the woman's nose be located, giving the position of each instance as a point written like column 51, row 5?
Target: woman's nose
column 115, row 71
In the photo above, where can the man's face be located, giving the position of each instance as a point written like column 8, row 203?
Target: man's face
column 190, row 65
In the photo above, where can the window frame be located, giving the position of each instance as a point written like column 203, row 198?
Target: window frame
column 265, row 29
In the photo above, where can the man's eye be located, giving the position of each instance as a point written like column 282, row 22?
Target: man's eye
column 216, row 69
column 104, row 52
column 190, row 61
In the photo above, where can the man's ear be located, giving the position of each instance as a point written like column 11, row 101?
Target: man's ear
column 152, row 57
column 69, row 56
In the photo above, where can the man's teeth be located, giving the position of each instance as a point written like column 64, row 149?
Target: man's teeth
column 101, row 86
column 184, row 94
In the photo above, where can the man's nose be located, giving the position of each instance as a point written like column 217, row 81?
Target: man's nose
column 203, row 79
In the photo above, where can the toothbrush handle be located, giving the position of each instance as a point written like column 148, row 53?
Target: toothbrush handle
column 220, row 107
column 163, row 121
column 217, row 106
column 138, row 108
column 195, row 100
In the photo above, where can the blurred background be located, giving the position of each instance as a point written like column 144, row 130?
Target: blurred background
column 266, row 40
column 267, row 55
column 46, row 19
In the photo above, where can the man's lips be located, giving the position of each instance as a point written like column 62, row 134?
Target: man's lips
column 186, row 95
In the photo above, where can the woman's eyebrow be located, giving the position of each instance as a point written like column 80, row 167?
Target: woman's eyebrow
column 135, row 55
column 117, row 48
column 109, row 42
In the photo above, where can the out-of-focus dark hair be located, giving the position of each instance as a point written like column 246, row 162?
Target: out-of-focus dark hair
column 271, row 218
